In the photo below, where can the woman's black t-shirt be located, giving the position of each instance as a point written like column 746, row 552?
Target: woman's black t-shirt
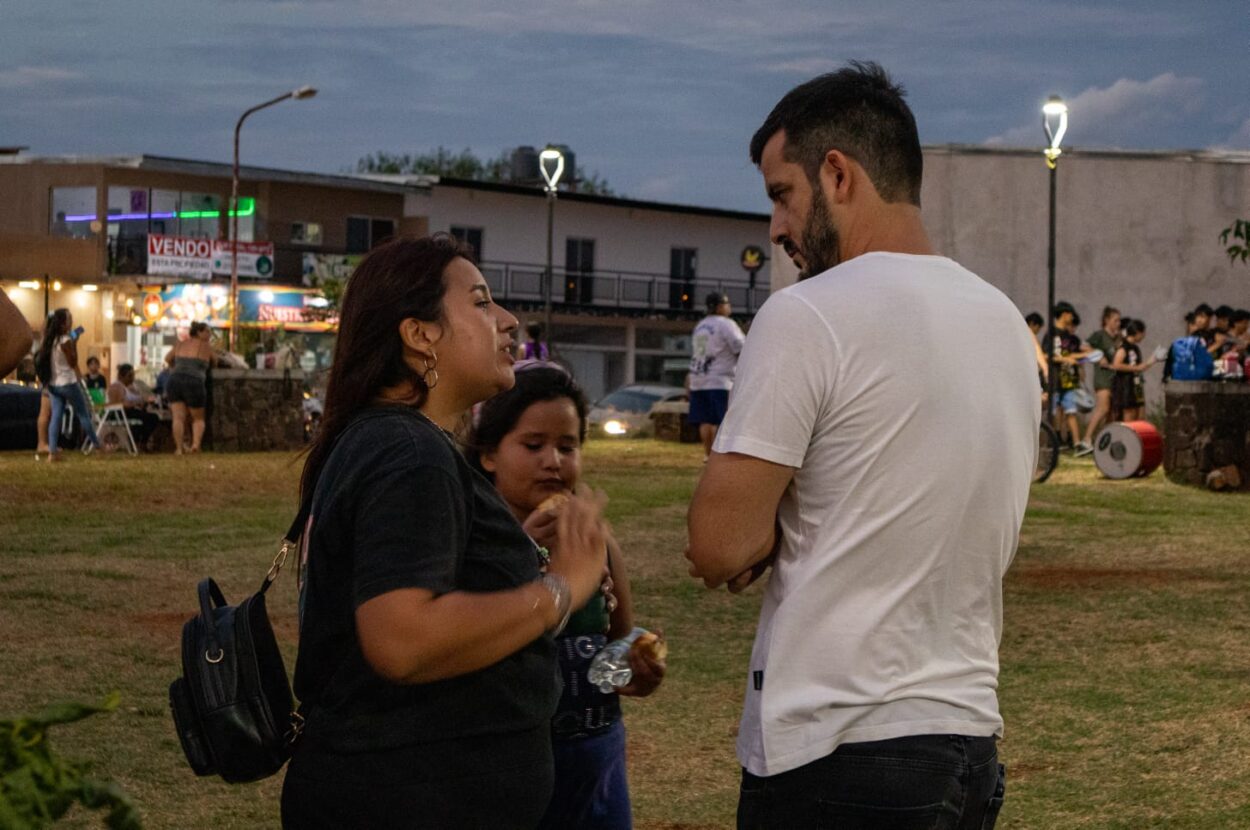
column 397, row 506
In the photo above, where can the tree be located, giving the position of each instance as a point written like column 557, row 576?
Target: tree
column 1239, row 232
column 465, row 165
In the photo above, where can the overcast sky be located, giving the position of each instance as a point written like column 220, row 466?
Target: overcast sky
column 660, row 97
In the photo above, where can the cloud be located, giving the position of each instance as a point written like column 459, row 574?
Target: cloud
column 803, row 66
column 25, row 77
column 1125, row 114
column 1240, row 140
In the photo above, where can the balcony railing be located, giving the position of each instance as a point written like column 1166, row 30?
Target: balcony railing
column 628, row 292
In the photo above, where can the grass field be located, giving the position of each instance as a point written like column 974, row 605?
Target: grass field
column 1125, row 654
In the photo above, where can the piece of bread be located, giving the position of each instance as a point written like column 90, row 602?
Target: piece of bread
column 554, row 501
column 651, row 646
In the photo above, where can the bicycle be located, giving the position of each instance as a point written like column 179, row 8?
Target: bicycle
column 1047, row 452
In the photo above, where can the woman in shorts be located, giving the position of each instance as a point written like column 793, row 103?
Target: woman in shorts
column 187, row 388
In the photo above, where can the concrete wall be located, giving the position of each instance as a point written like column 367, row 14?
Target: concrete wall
column 1137, row 231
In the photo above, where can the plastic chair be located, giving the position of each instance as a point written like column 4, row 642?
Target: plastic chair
column 111, row 424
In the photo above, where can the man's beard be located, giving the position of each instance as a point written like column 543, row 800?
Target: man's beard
column 819, row 239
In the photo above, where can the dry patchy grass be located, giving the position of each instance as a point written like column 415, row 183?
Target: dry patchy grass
column 1125, row 655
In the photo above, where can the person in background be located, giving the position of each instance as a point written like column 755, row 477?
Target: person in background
column 15, row 335
column 123, row 391
column 426, row 659
column 1128, row 388
column 1202, row 322
column 57, row 366
column 94, row 379
column 528, row 441
column 187, row 385
column 1105, row 340
column 533, row 348
column 1067, row 352
column 715, row 344
column 1035, row 324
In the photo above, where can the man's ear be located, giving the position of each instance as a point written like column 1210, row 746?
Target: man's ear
column 838, row 176
column 487, row 460
column 419, row 336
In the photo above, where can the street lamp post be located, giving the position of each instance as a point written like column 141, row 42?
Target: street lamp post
column 298, row 94
column 552, row 177
column 1055, row 124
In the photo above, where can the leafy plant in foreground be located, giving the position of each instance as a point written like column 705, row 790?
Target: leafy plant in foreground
column 37, row 787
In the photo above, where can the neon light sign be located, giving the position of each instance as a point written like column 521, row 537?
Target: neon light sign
column 247, row 207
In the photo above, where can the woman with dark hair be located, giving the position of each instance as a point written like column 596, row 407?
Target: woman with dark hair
column 57, row 367
column 427, row 656
column 528, row 440
column 187, row 387
column 1105, row 340
column 1128, row 391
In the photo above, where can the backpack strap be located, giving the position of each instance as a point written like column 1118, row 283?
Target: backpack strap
column 210, row 598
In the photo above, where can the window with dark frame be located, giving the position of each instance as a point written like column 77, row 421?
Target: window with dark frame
column 472, row 236
column 306, row 233
column 365, row 233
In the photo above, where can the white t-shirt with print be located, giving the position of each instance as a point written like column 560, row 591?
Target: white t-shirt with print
column 714, row 348
column 883, row 612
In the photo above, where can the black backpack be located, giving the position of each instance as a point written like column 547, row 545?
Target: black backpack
column 233, row 707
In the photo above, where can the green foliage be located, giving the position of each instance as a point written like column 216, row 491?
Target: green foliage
column 1239, row 232
column 37, row 787
column 440, row 162
column 593, row 183
column 464, row 165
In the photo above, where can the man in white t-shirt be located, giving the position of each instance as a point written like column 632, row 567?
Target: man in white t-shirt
column 714, row 348
column 882, row 480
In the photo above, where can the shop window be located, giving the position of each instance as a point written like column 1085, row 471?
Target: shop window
column 364, row 233
column 472, row 236
column 72, row 212
column 134, row 212
column 306, row 233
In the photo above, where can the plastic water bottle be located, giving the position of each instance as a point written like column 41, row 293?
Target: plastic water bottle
column 610, row 669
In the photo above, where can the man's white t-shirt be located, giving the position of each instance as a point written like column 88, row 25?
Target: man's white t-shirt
column 714, row 348
column 914, row 450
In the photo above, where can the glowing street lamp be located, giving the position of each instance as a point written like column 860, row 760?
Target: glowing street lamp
column 1055, row 124
column 297, row 94
column 551, row 163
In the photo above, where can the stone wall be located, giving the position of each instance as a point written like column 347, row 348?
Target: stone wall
column 257, row 409
column 1207, row 426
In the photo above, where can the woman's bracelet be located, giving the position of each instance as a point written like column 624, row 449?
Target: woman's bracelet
column 561, row 597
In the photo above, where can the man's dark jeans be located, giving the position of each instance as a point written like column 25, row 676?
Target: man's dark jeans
column 920, row 782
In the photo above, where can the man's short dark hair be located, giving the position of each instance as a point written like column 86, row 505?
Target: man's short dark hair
column 859, row 111
column 1203, row 308
column 1239, row 315
column 1034, row 319
column 1224, row 311
column 124, row 369
column 93, row 359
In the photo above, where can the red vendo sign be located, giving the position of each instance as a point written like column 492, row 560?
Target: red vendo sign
column 179, row 246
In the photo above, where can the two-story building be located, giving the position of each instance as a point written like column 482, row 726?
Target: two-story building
column 139, row 246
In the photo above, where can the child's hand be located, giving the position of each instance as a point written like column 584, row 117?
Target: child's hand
column 648, row 674
column 541, row 526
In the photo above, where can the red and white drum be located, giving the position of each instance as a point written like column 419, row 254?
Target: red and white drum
column 1128, row 450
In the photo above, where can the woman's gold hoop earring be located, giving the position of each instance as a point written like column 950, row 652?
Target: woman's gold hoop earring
column 430, row 369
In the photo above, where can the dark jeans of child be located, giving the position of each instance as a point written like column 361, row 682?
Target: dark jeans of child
column 591, row 792
column 935, row 782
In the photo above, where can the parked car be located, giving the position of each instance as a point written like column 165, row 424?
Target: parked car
column 626, row 412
